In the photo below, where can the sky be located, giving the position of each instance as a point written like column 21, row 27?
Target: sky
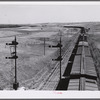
column 30, row 14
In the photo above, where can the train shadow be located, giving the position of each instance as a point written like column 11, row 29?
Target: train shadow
column 63, row 83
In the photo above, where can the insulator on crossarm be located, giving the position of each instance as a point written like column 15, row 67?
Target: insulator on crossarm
column 50, row 46
column 14, row 43
column 8, row 43
column 13, row 57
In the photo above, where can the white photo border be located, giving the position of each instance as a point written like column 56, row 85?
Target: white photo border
column 32, row 94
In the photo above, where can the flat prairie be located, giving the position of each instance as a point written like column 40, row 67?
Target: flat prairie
column 32, row 62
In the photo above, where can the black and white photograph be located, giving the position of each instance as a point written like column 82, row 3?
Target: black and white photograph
column 50, row 47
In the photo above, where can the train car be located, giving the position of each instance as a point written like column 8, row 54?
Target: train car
column 83, row 74
column 83, row 69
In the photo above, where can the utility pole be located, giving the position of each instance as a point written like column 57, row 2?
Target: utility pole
column 59, row 45
column 14, row 56
column 60, row 57
column 44, row 45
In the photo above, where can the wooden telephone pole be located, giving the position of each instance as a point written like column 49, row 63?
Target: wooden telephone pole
column 59, row 45
column 14, row 56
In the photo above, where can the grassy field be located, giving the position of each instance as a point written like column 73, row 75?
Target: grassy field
column 94, row 35
column 32, row 64
column 31, row 59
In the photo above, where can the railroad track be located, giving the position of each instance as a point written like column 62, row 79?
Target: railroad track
column 52, row 81
column 40, row 82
